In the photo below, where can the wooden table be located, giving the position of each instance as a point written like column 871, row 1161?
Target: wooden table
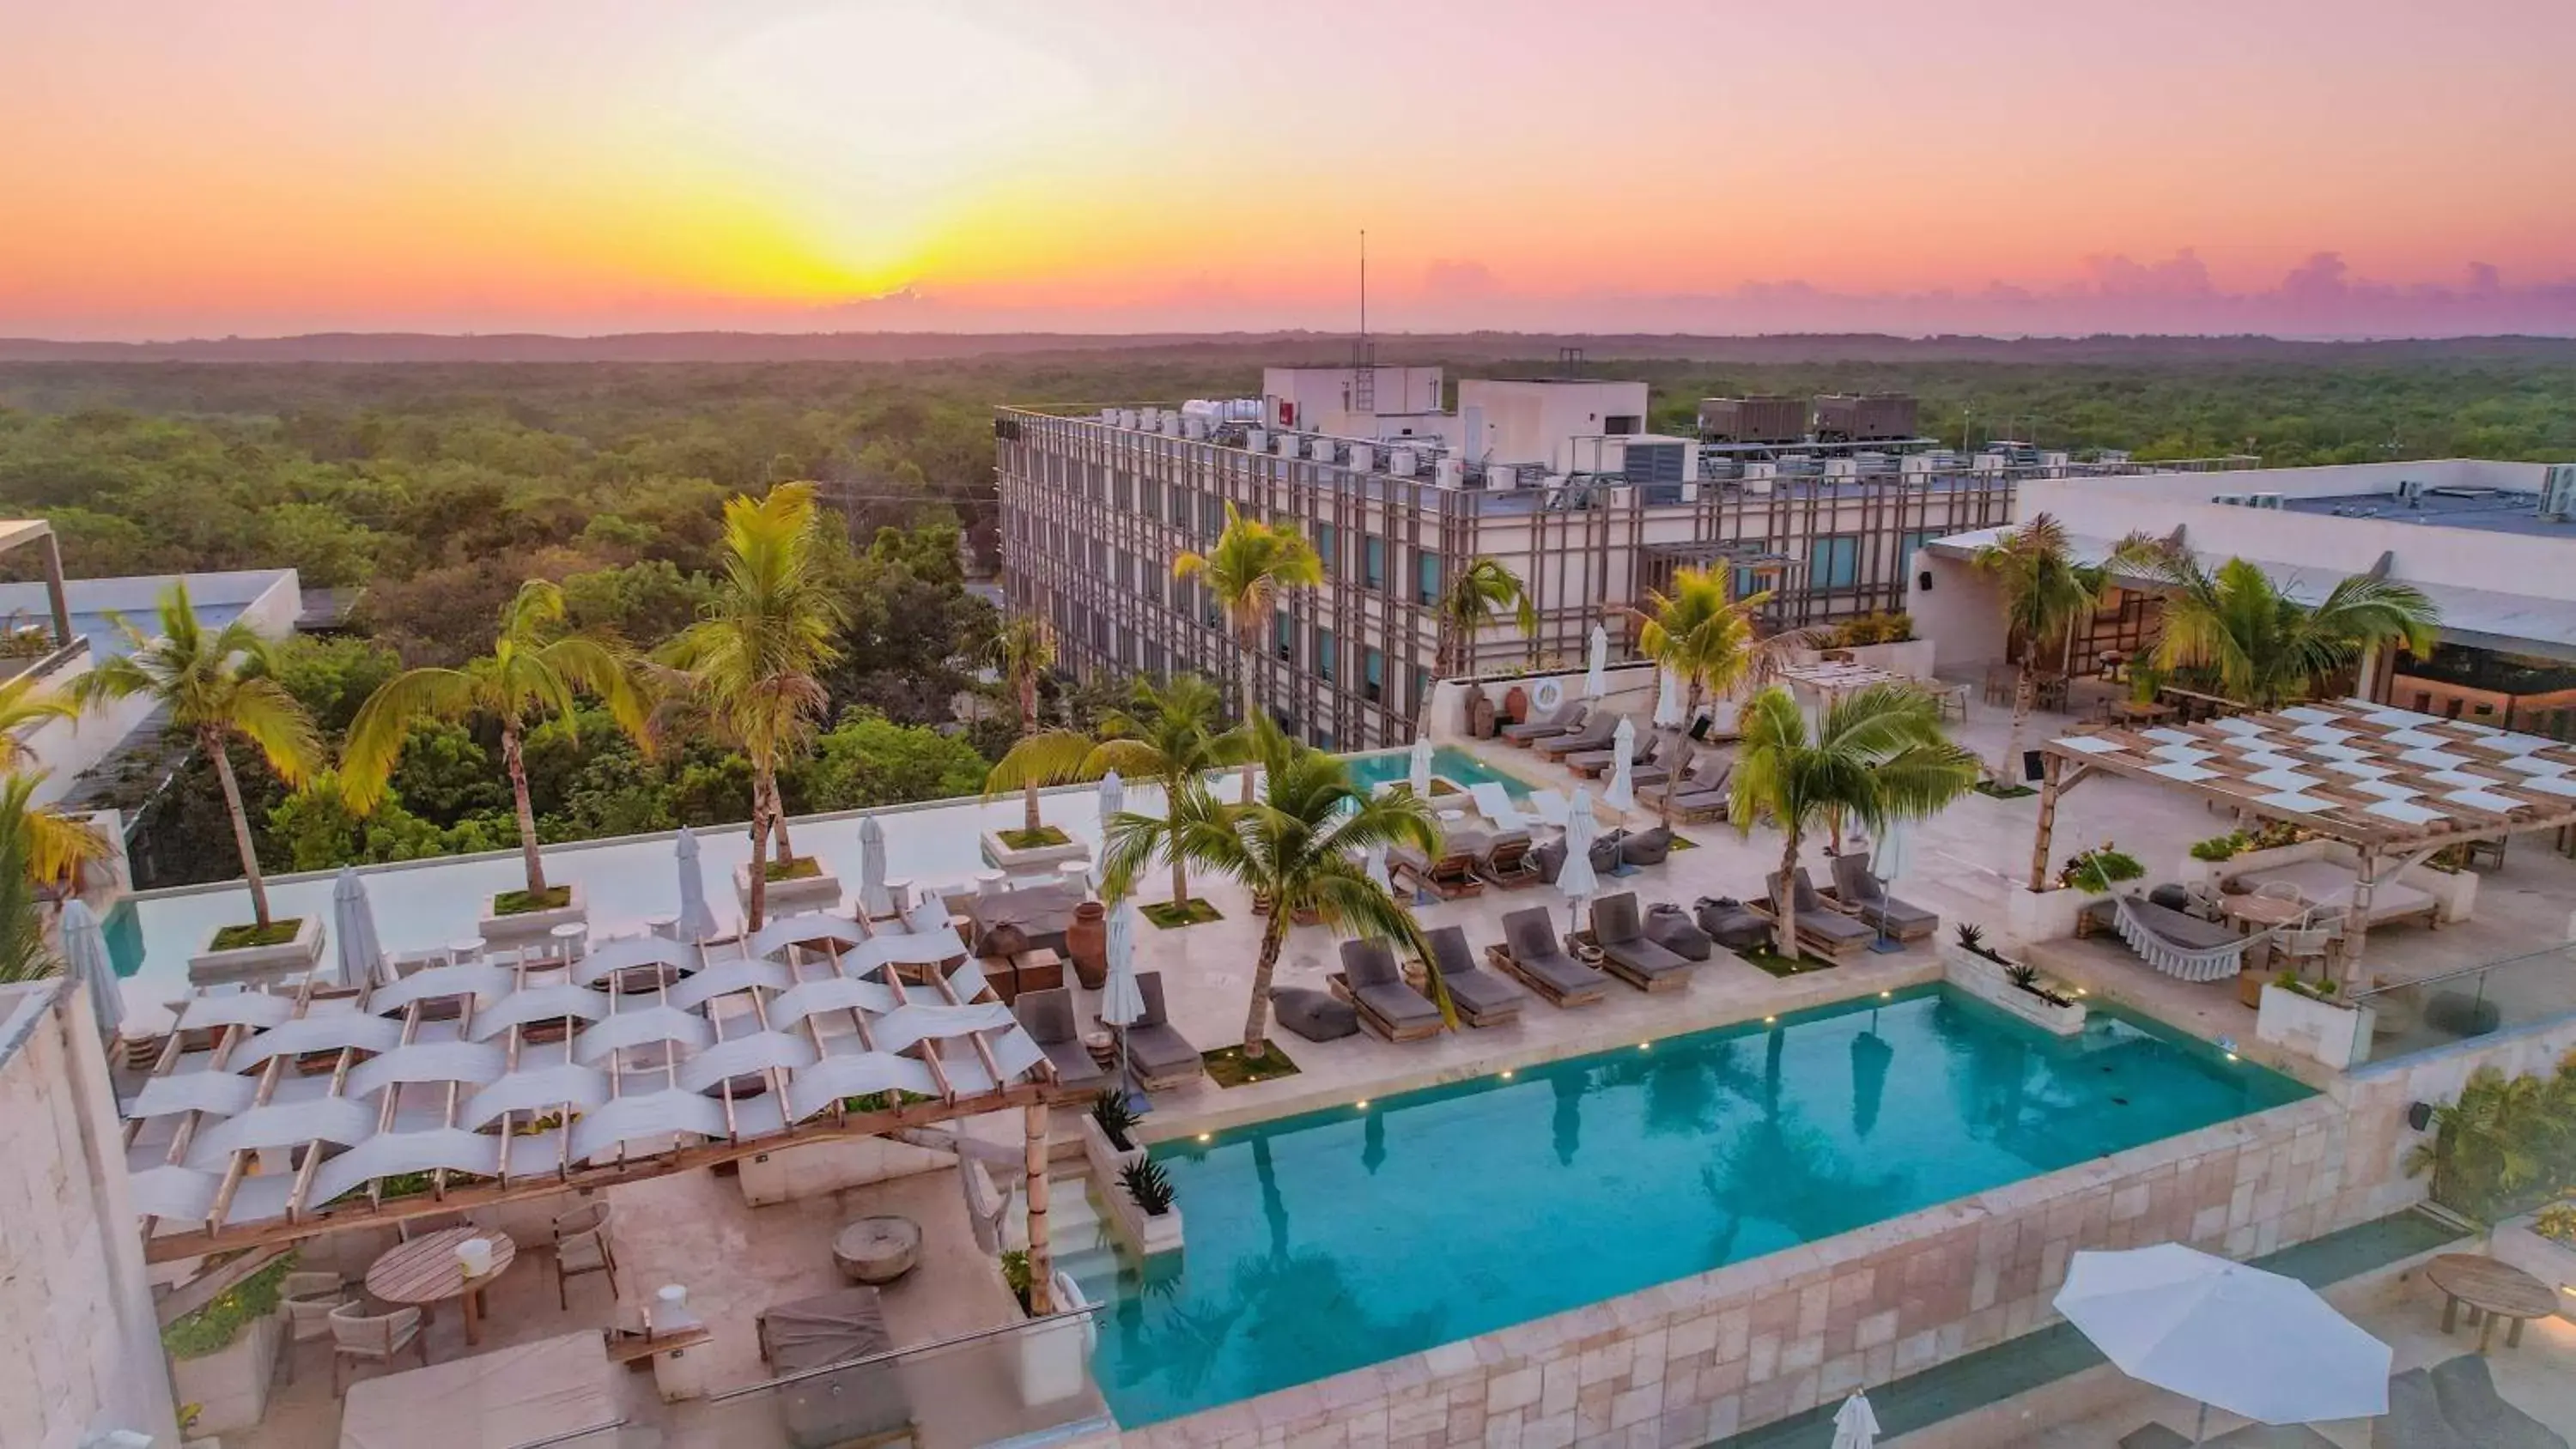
column 2263, row 912
column 425, row 1273
column 2492, row 1290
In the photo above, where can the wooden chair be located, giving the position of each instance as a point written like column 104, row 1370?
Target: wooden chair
column 422, row 1226
column 306, row 1302
column 582, row 1246
column 356, row 1335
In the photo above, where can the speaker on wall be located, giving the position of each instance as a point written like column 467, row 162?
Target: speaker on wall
column 2032, row 768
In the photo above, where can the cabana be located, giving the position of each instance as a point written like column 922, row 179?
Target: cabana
column 2393, row 785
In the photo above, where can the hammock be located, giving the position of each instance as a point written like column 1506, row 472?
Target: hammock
column 2179, row 959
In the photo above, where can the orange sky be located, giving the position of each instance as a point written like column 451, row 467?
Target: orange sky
column 266, row 166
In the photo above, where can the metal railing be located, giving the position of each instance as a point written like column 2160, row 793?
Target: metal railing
column 2407, row 1018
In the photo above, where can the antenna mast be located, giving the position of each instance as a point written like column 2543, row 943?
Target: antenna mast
column 1363, row 351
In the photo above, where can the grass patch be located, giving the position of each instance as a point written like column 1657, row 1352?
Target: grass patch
column 519, row 903
column 1993, row 790
column 1172, row 915
column 795, row 867
column 1229, row 1067
column 242, row 938
column 213, row 1328
column 1038, row 839
column 1779, row 965
column 1684, row 842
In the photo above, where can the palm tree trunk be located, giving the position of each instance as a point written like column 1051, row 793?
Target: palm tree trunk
column 1244, row 677
column 759, row 895
column 514, row 761
column 1257, row 1019
column 1681, row 758
column 2025, row 694
column 1787, row 904
column 212, row 743
column 778, row 820
column 1180, row 876
column 1029, row 806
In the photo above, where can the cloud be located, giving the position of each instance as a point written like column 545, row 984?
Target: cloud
column 1446, row 280
column 2180, row 275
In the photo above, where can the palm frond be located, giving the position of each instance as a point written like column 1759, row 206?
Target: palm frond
column 1049, row 757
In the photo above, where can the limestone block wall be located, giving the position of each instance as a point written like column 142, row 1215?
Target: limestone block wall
column 75, row 1308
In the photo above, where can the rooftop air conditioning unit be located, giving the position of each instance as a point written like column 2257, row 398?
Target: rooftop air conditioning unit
column 1257, row 439
column 2558, row 492
column 1363, row 458
column 1401, row 462
column 2265, row 500
column 2235, row 498
column 2410, row 488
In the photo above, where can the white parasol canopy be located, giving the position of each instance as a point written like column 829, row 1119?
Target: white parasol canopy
column 1374, row 862
column 2250, row 1342
column 356, row 950
column 85, row 957
column 1855, row 1424
column 1420, row 776
column 1113, row 797
column 1622, row 794
column 1596, row 681
column 1668, row 701
column 875, row 901
column 696, row 922
column 1122, row 1002
column 1576, row 879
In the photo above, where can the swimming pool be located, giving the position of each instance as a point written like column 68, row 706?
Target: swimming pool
column 1448, row 762
column 1336, row 1239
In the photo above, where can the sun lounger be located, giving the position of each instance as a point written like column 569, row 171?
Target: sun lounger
column 864, row 1403
column 1730, row 922
column 1549, row 806
column 1159, row 1056
column 1531, row 954
column 1625, row 951
column 1859, row 892
column 2482, row 1416
column 1480, row 997
column 1374, row 985
column 1452, row 874
column 1822, row 931
column 1671, row 927
column 1507, row 863
column 1595, row 735
column 1049, row 1019
column 1646, row 847
column 1564, row 719
column 1599, row 763
column 1495, row 804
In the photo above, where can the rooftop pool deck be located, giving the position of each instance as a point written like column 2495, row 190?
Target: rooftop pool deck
column 1334, row 1239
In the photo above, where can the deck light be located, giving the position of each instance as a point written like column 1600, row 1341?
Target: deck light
column 1206, row 1136
column 1645, row 1046
column 1363, row 1104
column 1507, row 1074
column 1766, row 1021
column 1886, row 995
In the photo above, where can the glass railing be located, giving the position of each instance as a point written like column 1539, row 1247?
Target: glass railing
column 1024, row 1383
column 2410, row 1017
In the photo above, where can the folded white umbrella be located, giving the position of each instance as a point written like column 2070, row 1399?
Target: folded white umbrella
column 85, row 957
column 2247, row 1341
column 1373, row 861
column 1113, row 803
column 1622, row 794
column 1122, row 1001
column 1575, row 878
column 1855, row 1424
column 1596, row 680
column 696, row 922
column 1419, row 777
column 355, row 948
column 1668, row 701
column 874, row 899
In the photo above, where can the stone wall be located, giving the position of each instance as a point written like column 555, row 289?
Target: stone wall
column 75, row 1309
column 1707, row 1356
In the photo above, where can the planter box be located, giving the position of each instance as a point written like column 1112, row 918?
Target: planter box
column 2048, row 915
column 231, row 1384
column 2553, row 1263
column 1054, row 1361
column 2331, row 1033
column 1148, row 1236
column 530, row 928
column 2455, row 892
column 260, row 963
column 1986, row 981
column 1035, row 859
column 1912, row 659
column 790, row 897
column 2246, row 862
column 1103, row 1159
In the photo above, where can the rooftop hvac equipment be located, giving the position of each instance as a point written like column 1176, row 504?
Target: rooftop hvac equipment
column 1768, row 419
column 1194, row 426
column 2410, row 489
column 2234, row 498
column 1363, row 458
column 2264, row 500
column 1715, row 468
column 1452, row 471
column 2558, row 492
column 1401, row 462
column 1877, row 417
column 1319, row 450
column 1800, row 465
column 1109, row 416
column 1285, row 445
column 1257, row 439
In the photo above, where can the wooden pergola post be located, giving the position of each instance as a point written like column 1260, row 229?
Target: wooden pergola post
column 2045, row 835
column 2356, row 931
column 1041, row 1261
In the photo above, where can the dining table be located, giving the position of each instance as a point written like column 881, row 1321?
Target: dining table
column 2262, row 913
column 426, row 1272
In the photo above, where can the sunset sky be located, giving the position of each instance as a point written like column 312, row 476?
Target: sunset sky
column 278, row 166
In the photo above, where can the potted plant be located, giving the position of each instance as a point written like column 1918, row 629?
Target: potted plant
column 1969, row 964
column 1142, row 1207
column 1108, row 1137
column 221, row 1355
column 2311, row 1017
column 2086, row 879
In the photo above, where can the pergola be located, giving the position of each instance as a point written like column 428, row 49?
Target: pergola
column 272, row 1116
column 2394, row 785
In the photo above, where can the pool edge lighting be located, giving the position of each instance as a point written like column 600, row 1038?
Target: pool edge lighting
column 1362, row 1104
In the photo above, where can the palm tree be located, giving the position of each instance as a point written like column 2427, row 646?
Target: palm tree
column 24, row 955
column 752, row 661
column 218, row 688
column 1701, row 635
column 2044, row 592
column 2265, row 649
column 535, row 669
column 1023, row 651
column 1249, row 565
column 1878, row 755
column 1172, row 735
column 1484, row 588
column 1298, row 845
column 24, row 703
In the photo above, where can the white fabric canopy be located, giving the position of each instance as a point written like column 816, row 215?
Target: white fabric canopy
column 1576, row 879
column 1596, row 677
column 2233, row 1337
column 1122, row 1002
column 874, row 899
column 356, row 950
column 1855, row 1424
column 1418, row 768
column 1622, row 794
column 1668, row 700
column 530, row 1394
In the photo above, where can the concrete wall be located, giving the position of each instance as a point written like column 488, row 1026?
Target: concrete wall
column 75, row 1308
column 1707, row 1356
column 1962, row 613
column 1527, row 421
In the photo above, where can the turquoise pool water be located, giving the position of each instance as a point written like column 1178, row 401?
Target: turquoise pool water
column 1328, row 1241
column 1448, row 762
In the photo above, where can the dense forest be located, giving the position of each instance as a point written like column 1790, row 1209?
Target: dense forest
column 437, row 488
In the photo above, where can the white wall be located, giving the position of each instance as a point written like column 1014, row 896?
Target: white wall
column 1962, row 613
column 1527, row 421
column 1325, row 402
column 75, row 1306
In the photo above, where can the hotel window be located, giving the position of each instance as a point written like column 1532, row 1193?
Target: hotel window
column 1324, row 655
column 1426, row 567
column 1211, row 515
column 1152, row 492
column 1373, row 551
column 1328, row 546
column 1913, row 544
column 1833, row 563
column 1286, row 634
column 1421, row 688
column 1126, row 490
column 1372, row 674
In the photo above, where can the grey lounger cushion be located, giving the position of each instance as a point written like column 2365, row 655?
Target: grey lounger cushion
column 1859, row 888
column 1820, row 920
column 1670, row 927
column 1048, row 1016
column 2414, row 1419
column 1554, row 722
column 1474, row 989
column 1314, row 1015
column 2484, row 1417
column 1153, row 1047
column 1379, row 985
column 1530, row 936
column 1622, row 938
column 2190, row 932
column 1730, row 924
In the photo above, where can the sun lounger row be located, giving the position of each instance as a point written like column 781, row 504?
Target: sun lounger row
column 1840, row 925
column 1159, row 1056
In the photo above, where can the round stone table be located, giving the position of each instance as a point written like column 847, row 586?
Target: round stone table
column 877, row 1250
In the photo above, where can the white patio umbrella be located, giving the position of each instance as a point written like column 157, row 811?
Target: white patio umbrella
column 1889, row 856
column 875, row 900
column 1596, row 682
column 1122, row 1001
column 85, row 957
column 1855, row 1424
column 355, row 946
column 1113, row 803
column 1668, row 701
column 696, row 922
column 1419, row 776
column 1374, row 862
column 1576, row 879
column 1622, row 794
column 2251, row 1342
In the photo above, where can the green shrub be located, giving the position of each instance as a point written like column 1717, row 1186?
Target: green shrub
column 2219, row 847
column 1148, row 1185
column 1116, row 1118
column 213, row 1328
column 2100, row 868
column 2506, row 1145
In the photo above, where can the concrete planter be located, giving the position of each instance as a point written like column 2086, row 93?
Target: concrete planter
column 2048, row 915
column 790, row 897
column 2456, row 891
column 1054, row 1360
column 211, row 967
column 2246, row 862
column 1912, row 659
column 1013, row 861
column 529, row 928
column 1103, row 1158
column 231, row 1384
column 2327, row 1031
column 1985, row 980
column 1146, row 1235
column 2554, row 1263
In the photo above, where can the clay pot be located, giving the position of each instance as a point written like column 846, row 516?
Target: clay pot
column 1516, row 704
column 1086, row 940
